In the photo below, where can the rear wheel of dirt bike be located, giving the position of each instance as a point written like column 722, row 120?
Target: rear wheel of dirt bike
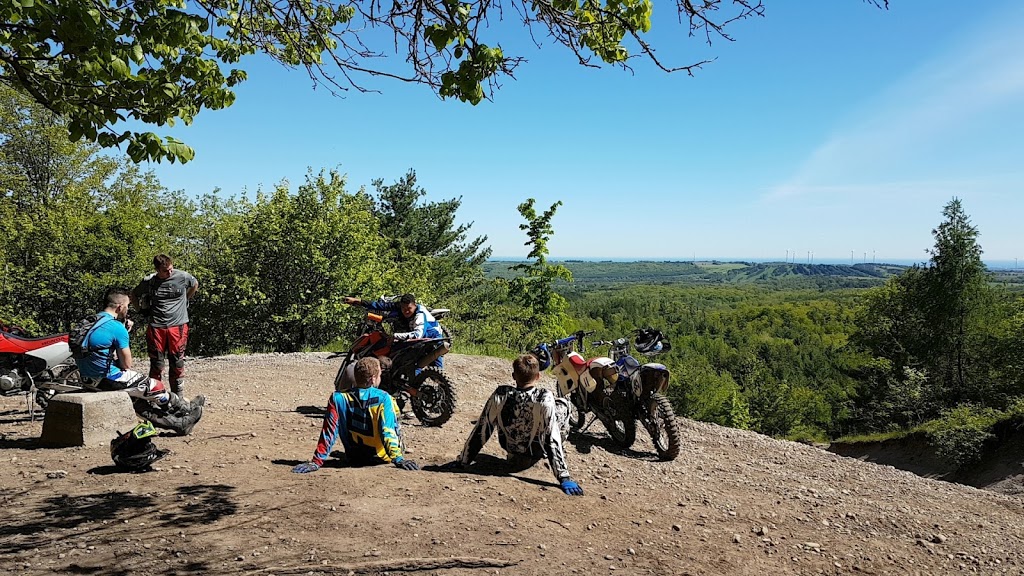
column 43, row 398
column 663, row 428
column 434, row 402
column 69, row 376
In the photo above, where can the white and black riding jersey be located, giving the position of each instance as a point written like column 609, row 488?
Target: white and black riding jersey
column 529, row 423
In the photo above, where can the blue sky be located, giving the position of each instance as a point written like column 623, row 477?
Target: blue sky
column 826, row 127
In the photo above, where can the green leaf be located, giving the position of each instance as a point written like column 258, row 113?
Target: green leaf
column 119, row 68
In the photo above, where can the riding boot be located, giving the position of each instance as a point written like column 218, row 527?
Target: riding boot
column 177, row 405
column 178, row 387
column 177, row 416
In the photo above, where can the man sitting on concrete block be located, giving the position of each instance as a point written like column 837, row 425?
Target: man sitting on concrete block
column 104, row 359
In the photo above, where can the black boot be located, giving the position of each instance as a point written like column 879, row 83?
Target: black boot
column 177, row 416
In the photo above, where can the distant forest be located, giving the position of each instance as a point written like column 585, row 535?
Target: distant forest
column 588, row 273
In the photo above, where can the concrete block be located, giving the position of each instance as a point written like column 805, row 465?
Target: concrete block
column 87, row 418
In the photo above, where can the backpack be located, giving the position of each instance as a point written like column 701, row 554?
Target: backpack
column 79, row 334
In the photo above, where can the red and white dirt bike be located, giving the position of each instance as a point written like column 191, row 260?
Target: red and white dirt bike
column 619, row 391
column 36, row 367
column 427, row 388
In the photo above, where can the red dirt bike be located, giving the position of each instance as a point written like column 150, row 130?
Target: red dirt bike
column 411, row 377
column 619, row 391
column 36, row 367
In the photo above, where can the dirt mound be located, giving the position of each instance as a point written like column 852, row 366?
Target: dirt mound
column 1000, row 468
column 225, row 501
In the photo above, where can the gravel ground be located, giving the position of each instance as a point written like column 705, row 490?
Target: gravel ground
column 225, row 501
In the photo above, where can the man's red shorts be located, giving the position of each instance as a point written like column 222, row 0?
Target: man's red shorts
column 166, row 342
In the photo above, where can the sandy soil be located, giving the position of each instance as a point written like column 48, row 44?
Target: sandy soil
column 225, row 501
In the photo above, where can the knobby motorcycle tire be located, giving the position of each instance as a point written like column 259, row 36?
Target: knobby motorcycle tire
column 43, row 395
column 432, row 383
column 624, row 436
column 663, row 428
column 341, row 372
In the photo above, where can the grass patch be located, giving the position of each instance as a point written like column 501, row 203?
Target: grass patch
column 876, row 437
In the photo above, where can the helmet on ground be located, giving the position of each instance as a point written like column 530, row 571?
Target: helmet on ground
column 650, row 342
column 134, row 450
column 543, row 355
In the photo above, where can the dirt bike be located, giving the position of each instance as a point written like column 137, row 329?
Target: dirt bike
column 411, row 377
column 619, row 391
column 36, row 367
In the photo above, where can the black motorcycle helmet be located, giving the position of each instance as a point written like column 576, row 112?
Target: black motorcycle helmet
column 650, row 342
column 134, row 451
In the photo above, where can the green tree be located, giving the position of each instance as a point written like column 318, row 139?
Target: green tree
column 956, row 297
column 428, row 229
column 77, row 221
column 535, row 288
column 298, row 256
column 157, row 62
column 943, row 332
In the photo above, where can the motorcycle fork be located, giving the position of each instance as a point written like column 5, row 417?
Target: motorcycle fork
column 31, row 398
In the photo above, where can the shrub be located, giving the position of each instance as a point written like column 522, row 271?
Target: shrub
column 960, row 434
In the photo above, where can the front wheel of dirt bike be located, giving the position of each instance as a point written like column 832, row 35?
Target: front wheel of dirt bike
column 623, row 432
column 661, row 423
column 338, row 386
column 434, row 401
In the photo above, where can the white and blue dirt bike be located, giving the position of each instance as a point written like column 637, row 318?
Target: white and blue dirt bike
column 618, row 390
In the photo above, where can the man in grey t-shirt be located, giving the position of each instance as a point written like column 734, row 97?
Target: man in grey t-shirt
column 164, row 297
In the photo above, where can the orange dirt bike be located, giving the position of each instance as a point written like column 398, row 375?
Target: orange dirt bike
column 411, row 377
column 619, row 391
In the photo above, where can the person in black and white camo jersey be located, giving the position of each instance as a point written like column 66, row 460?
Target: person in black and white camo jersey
column 530, row 423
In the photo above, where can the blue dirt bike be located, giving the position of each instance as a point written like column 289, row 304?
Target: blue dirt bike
column 618, row 389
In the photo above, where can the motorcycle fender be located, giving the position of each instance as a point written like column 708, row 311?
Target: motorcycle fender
column 567, row 372
column 568, row 380
column 375, row 343
column 653, row 378
column 53, row 354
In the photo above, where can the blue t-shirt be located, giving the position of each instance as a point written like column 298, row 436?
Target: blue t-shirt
column 108, row 335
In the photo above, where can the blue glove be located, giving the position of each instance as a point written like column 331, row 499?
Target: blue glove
column 571, row 488
column 407, row 464
column 306, row 468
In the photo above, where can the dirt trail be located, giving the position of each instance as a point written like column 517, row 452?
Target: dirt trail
column 226, row 502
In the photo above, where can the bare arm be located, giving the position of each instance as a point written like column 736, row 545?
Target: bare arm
column 192, row 291
column 124, row 358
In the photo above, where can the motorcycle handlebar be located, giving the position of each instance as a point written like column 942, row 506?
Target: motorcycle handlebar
column 564, row 341
column 579, row 335
column 617, row 342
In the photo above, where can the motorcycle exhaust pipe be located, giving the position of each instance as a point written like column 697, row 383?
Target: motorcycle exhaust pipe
column 429, row 358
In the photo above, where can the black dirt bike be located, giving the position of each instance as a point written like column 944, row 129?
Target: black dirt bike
column 411, row 377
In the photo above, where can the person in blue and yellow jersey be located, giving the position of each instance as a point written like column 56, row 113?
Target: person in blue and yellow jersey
column 366, row 420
